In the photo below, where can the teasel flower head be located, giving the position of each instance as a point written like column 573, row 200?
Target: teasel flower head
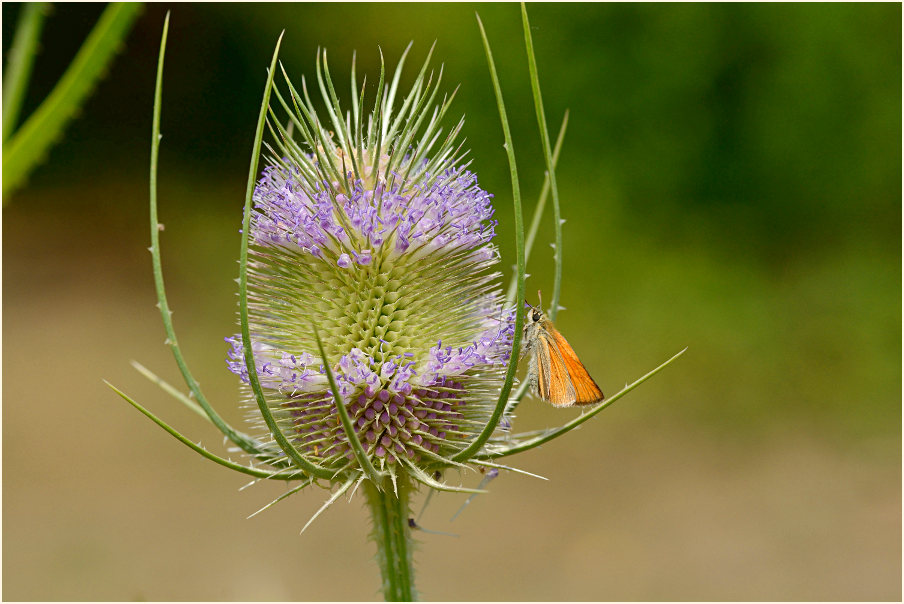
column 371, row 239
column 376, row 347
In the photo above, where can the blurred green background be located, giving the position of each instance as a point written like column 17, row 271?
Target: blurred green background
column 731, row 181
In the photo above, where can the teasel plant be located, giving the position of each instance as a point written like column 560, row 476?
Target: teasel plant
column 377, row 352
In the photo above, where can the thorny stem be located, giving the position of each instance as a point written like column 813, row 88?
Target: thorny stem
column 389, row 510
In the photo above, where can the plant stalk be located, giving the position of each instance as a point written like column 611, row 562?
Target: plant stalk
column 392, row 533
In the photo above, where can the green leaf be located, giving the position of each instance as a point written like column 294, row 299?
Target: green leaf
column 30, row 143
column 21, row 58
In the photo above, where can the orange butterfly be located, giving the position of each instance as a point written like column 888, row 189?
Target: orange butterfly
column 555, row 374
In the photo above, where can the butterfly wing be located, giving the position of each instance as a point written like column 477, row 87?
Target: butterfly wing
column 537, row 374
column 585, row 391
column 554, row 385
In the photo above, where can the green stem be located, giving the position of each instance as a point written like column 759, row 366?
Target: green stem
column 390, row 512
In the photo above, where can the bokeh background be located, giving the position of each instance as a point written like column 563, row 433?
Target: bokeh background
column 731, row 181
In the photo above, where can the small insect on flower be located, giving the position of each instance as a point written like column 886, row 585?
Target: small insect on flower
column 555, row 374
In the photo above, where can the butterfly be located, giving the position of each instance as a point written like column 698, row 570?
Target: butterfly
column 555, row 373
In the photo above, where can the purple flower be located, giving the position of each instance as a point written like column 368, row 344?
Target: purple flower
column 389, row 253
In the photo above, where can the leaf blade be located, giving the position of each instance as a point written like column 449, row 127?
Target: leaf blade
column 31, row 142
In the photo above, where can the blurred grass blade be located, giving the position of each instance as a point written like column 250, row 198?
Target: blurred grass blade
column 550, row 165
column 21, row 59
column 204, row 452
column 30, row 143
column 482, row 438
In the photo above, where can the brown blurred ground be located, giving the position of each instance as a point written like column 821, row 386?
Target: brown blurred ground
column 99, row 504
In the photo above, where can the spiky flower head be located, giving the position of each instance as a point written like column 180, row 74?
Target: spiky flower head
column 371, row 235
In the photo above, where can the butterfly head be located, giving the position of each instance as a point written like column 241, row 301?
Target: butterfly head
column 534, row 314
